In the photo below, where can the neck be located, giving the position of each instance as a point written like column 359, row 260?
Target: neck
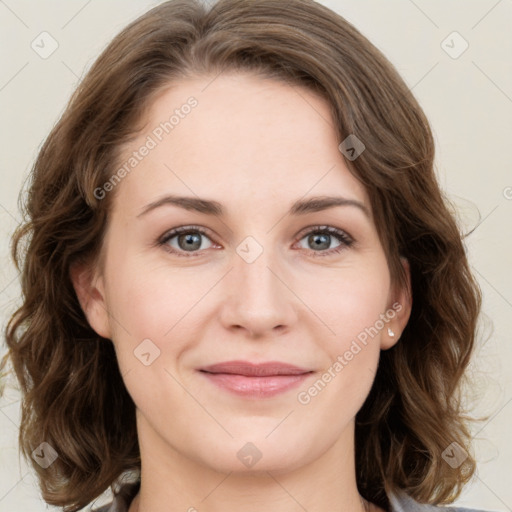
column 172, row 481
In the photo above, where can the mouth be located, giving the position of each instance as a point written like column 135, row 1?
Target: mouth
column 251, row 380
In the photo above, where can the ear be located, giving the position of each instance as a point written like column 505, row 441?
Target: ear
column 90, row 291
column 400, row 302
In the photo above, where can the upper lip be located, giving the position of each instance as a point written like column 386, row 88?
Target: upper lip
column 255, row 369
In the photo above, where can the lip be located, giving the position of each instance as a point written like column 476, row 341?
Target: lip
column 255, row 380
column 255, row 369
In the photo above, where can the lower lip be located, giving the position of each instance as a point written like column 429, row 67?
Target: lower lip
column 256, row 387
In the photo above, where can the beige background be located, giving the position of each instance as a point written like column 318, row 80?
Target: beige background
column 468, row 100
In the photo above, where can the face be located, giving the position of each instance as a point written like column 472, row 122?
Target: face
column 265, row 274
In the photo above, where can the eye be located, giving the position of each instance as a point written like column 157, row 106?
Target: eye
column 321, row 237
column 188, row 239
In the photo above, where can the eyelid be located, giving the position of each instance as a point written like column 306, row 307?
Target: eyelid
column 183, row 229
column 323, row 227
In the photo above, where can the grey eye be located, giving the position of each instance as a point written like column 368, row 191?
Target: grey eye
column 190, row 241
column 319, row 241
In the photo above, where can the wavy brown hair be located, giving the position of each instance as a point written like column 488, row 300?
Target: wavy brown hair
column 74, row 397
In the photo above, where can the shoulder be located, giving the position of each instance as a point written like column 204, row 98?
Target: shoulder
column 401, row 502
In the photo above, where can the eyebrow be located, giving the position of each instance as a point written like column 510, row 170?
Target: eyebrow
column 214, row 208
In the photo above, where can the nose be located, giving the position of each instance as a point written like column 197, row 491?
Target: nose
column 257, row 298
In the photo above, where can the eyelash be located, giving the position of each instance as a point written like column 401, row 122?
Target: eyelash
column 346, row 240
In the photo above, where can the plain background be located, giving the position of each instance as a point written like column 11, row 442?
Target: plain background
column 467, row 98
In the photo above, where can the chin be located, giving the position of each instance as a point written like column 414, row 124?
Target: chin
column 254, row 454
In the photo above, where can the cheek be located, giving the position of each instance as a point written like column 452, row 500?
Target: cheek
column 149, row 298
column 351, row 308
column 156, row 304
column 350, row 304
column 148, row 334
column 347, row 300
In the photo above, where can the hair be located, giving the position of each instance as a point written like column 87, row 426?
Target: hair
column 73, row 394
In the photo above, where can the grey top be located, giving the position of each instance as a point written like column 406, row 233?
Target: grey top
column 399, row 502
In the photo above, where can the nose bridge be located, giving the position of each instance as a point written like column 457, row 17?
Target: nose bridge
column 260, row 301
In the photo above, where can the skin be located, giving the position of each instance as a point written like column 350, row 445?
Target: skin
column 256, row 146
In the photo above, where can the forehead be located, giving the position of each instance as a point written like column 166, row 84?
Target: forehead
column 234, row 137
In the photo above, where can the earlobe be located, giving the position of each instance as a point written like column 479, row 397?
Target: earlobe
column 90, row 292
column 401, row 304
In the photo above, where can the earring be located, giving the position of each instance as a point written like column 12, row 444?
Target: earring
column 391, row 333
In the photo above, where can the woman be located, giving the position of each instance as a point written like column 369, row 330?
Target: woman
column 243, row 284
